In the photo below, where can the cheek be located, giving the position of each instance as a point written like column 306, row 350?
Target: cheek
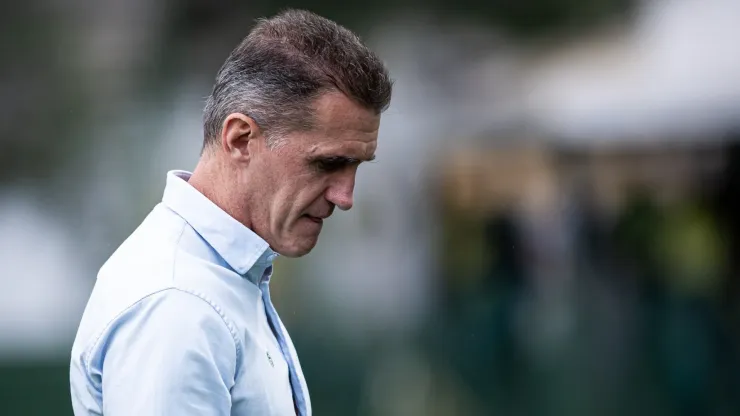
column 293, row 195
column 303, row 196
column 309, row 195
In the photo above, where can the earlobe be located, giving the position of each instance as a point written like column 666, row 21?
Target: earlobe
column 237, row 133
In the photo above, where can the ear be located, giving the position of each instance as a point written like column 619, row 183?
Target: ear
column 239, row 135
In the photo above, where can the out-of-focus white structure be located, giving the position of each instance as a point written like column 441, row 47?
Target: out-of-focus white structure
column 674, row 73
column 42, row 293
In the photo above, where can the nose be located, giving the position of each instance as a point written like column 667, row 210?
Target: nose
column 340, row 192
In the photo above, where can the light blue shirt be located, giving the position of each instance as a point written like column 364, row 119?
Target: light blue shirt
column 180, row 321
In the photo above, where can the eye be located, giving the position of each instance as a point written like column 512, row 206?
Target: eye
column 331, row 164
column 326, row 166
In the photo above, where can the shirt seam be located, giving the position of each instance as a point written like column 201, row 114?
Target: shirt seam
column 94, row 347
column 95, row 344
column 202, row 296
column 198, row 295
column 226, row 321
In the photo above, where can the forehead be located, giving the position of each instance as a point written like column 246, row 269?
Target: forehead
column 342, row 127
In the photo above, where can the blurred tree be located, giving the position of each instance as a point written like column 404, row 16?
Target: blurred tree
column 42, row 98
column 518, row 17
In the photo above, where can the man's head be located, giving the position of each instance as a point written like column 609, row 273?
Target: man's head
column 295, row 109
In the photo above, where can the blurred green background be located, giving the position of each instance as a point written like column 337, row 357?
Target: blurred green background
column 551, row 227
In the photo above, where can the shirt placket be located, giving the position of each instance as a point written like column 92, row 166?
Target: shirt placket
column 274, row 321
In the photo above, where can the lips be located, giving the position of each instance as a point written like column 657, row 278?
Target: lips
column 321, row 215
column 317, row 220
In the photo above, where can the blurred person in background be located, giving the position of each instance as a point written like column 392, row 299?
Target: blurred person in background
column 180, row 320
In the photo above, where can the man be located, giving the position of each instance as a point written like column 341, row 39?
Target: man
column 180, row 321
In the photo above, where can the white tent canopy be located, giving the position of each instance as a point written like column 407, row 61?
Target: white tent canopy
column 675, row 72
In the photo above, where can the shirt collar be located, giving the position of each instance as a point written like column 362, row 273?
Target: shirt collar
column 239, row 246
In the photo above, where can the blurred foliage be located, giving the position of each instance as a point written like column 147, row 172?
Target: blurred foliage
column 35, row 389
column 681, row 243
column 692, row 251
column 524, row 18
column 43, row 96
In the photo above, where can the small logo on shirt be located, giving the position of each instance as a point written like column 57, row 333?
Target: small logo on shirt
column 269, row 358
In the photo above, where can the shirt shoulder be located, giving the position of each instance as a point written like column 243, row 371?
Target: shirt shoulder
column 163, row 253
column 146, row 267
column 141, row 266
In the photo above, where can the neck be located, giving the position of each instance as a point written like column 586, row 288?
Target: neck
column 211, row 179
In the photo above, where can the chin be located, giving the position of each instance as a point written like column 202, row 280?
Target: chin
column 297, row 248
column 294, row 252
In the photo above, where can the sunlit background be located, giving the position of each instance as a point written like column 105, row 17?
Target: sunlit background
column 552, row 226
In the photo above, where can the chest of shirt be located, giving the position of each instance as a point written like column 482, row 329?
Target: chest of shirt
column 262, row 380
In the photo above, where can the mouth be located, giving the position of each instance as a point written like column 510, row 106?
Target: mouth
column 317, row 220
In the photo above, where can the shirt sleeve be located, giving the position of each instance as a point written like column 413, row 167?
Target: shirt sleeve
column 171, row 354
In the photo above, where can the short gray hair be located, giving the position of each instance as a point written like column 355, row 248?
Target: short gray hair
column 284, row 64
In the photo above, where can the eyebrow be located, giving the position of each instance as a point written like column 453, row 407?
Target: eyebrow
column 343, row 159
